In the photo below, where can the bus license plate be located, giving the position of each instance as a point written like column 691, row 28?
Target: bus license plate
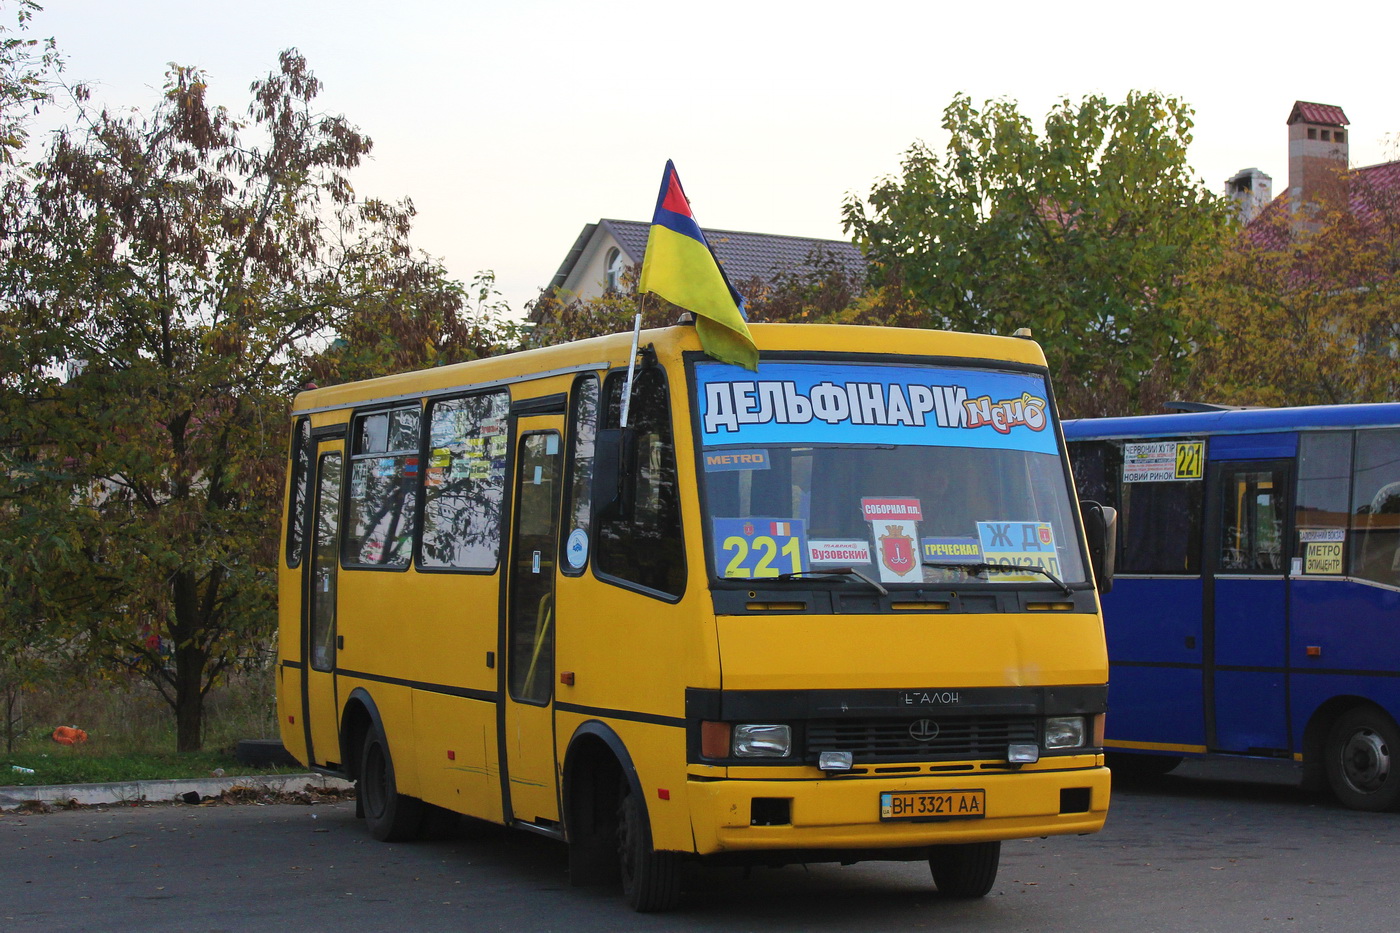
column 933, row 805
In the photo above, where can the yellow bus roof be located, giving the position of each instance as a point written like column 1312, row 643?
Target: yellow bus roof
column 669, row 343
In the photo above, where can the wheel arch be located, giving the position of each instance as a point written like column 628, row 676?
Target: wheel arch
column 1315, row 732
column 359, row 715
column 595, row 764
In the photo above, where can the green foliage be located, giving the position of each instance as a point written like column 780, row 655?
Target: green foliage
column 1305, row 308
column 165, row 281
column 1085, row 233
column 416, row 327
column 28, row 69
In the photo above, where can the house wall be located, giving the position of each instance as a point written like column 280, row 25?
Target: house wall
column 589, row 276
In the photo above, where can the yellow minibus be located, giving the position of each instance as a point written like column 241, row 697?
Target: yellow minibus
column 665, row 609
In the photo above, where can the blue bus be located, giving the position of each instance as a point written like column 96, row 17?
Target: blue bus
column 1255, row 608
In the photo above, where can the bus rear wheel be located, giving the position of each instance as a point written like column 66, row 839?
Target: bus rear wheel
column 967, row 870
column 1362, row 758
column 391, row 816
column 650, row 879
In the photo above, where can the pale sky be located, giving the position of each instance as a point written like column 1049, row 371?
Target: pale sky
column 513, row 123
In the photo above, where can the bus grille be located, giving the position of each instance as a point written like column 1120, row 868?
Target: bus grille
column 891, row 740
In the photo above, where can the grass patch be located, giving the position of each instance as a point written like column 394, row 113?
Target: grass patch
column 131, row 733
column 81, row 766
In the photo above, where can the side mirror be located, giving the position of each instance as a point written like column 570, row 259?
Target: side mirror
column 1101, row 529
column 614, row 462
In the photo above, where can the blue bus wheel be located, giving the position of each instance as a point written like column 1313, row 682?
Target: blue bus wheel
column 1362, row 758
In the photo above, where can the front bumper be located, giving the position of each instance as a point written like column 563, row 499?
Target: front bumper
column 844, row 813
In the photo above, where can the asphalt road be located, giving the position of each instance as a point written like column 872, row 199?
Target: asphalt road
column 1201, row 851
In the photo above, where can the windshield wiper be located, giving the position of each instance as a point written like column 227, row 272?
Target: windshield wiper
column 836, row 572
column 977, row 570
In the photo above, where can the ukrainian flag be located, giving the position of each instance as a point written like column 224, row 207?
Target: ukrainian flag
column 680, row 267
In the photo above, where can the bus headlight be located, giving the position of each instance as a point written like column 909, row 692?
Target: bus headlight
column 761, row 741
column 1064, row 732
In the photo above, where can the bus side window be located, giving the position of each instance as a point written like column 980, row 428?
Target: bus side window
column 1376, row 507
column 1251, row 521
column 300, row 490
column 383, row 488
column 645, row 547
column 1159, row 525
column 1324, row 486
column 464, row 482
column 578, row 510
column 1096, row 467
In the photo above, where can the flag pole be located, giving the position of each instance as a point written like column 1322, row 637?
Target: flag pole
column 632, row 362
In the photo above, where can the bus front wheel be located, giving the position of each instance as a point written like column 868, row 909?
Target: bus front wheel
column 1363, row 760
column 650, row 879
column 391, row 816
column 967, row 870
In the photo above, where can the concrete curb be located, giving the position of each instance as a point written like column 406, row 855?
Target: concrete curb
column 126, row 792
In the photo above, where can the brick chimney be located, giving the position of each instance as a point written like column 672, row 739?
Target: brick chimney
column 1317, row 151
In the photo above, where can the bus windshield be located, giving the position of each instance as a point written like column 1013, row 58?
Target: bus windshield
column 903, row 474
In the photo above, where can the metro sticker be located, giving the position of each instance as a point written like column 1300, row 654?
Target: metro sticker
column 722, row 460
column 1323, row 557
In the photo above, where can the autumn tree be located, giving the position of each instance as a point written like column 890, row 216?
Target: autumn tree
column 29, row 71
column 1085, row 232
column 166, row 281
column 1305, row 307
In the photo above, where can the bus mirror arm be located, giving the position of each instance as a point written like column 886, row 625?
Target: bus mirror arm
column 1101, row 529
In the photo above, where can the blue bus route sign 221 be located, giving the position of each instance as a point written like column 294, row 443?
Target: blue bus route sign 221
column 855, row 403
column 760, row 547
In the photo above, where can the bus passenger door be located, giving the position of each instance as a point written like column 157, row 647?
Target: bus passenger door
column 527, row 749
column 1246, row 561
column 320, row 712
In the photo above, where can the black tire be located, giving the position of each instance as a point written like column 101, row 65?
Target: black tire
column 391, row 816
column 650, row 879
column 1362, row 760
column 967, row 870
column 1132, row 765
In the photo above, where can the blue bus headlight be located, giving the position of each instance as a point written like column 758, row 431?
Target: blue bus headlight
column 1065, row 732
column 761, row 741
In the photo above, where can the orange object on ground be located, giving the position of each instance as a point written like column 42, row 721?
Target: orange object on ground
column 69, row 735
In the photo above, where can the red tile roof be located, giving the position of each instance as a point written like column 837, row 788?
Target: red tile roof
column 1373, row 193
column 1308, row 112
column 1375, row 190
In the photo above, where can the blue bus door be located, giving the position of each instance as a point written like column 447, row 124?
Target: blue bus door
column 1246, row 554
